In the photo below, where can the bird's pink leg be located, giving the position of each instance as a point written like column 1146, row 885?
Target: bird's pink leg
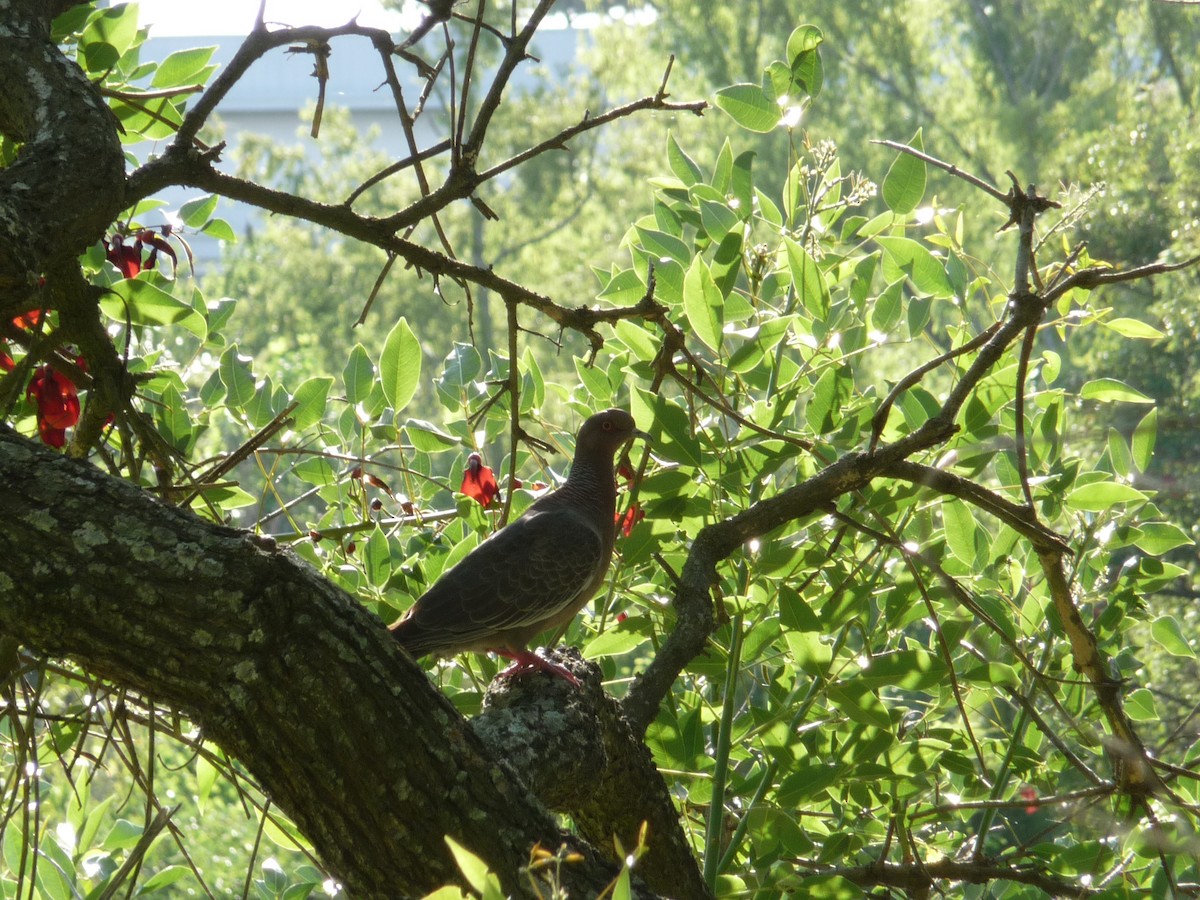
column 525, row 661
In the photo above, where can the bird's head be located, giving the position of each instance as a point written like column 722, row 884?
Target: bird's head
column 605, row 433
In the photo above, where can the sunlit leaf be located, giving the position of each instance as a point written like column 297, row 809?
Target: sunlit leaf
column 1101, row 495
column 747, row 105
column 1170, row 636
column 400, row 365
column 1110, row 390
column 702, row 303
column 904, row 185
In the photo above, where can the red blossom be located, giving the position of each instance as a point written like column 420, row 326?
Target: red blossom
column 479, row 482
column 57, row 402
column 28, row 319
column 6, row 361
column 1030, row 795
column 632, row 516
column 127, row 257
column 625, row 472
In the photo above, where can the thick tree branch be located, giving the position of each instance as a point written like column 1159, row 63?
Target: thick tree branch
column 575, row 750
column 262, row 653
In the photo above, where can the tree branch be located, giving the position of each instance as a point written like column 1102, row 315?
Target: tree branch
column 261, row 652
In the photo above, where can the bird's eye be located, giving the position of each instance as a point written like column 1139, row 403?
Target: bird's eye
column 607, row 426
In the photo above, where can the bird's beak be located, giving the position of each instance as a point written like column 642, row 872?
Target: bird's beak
column 638, row 433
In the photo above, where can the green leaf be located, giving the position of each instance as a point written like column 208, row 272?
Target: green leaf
column 114, row 25
column 660, row 244
column 123, row 835
column 623, row 287
column 1170, row 636
column 1132, row 328
column 804, row 58
column 914, row 260
column 723, row 170
column 1143, row 440
column 669, row 424
column 1110, row 390
column 960, row 528
column 1157, row 538
column 889, row 305
column 1118, row 454
column 474, row 869
column 718, row 219
column 808, row 280
column 859, row 703
column 427, row 437
column 182, row 67
column 830, row 395
column 747, row 105
column 742, row 183
column 682, row 165
column 1140, row 706
column 613, row 642
column 594, row 380
column 164, row 878
column 139, row 302
column 194, row 213
column 236, row 376
column 311, row 398
column 400, row 365
column 377, row 558
column 904, row 184
column 173, row 420
column 637, row 339
column 702, row 303
column 99, row 56
column 1103, row 495
column 623, row 889
column 359, row 375
column 220, row 230
column 770, row 212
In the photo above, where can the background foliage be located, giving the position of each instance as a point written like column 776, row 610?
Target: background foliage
column 891, row 679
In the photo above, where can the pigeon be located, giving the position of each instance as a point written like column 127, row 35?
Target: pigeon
column 537, row 572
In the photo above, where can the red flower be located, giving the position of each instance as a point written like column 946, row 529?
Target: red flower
column 479, row 482
column 28, row 319
column 1030, row 795
column 57, row 404
column 128, row 257
column 632, row 516
column 6, row 361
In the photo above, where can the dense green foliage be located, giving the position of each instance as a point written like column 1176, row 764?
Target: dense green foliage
column 895, row 676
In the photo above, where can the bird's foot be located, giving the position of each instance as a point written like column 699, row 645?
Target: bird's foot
column 525, row 662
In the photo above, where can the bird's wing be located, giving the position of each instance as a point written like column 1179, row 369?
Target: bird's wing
column 524, row 575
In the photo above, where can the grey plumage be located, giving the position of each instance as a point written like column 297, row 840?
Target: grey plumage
column 537, row 572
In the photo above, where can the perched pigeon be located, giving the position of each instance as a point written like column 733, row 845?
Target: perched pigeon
column 536, row 573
